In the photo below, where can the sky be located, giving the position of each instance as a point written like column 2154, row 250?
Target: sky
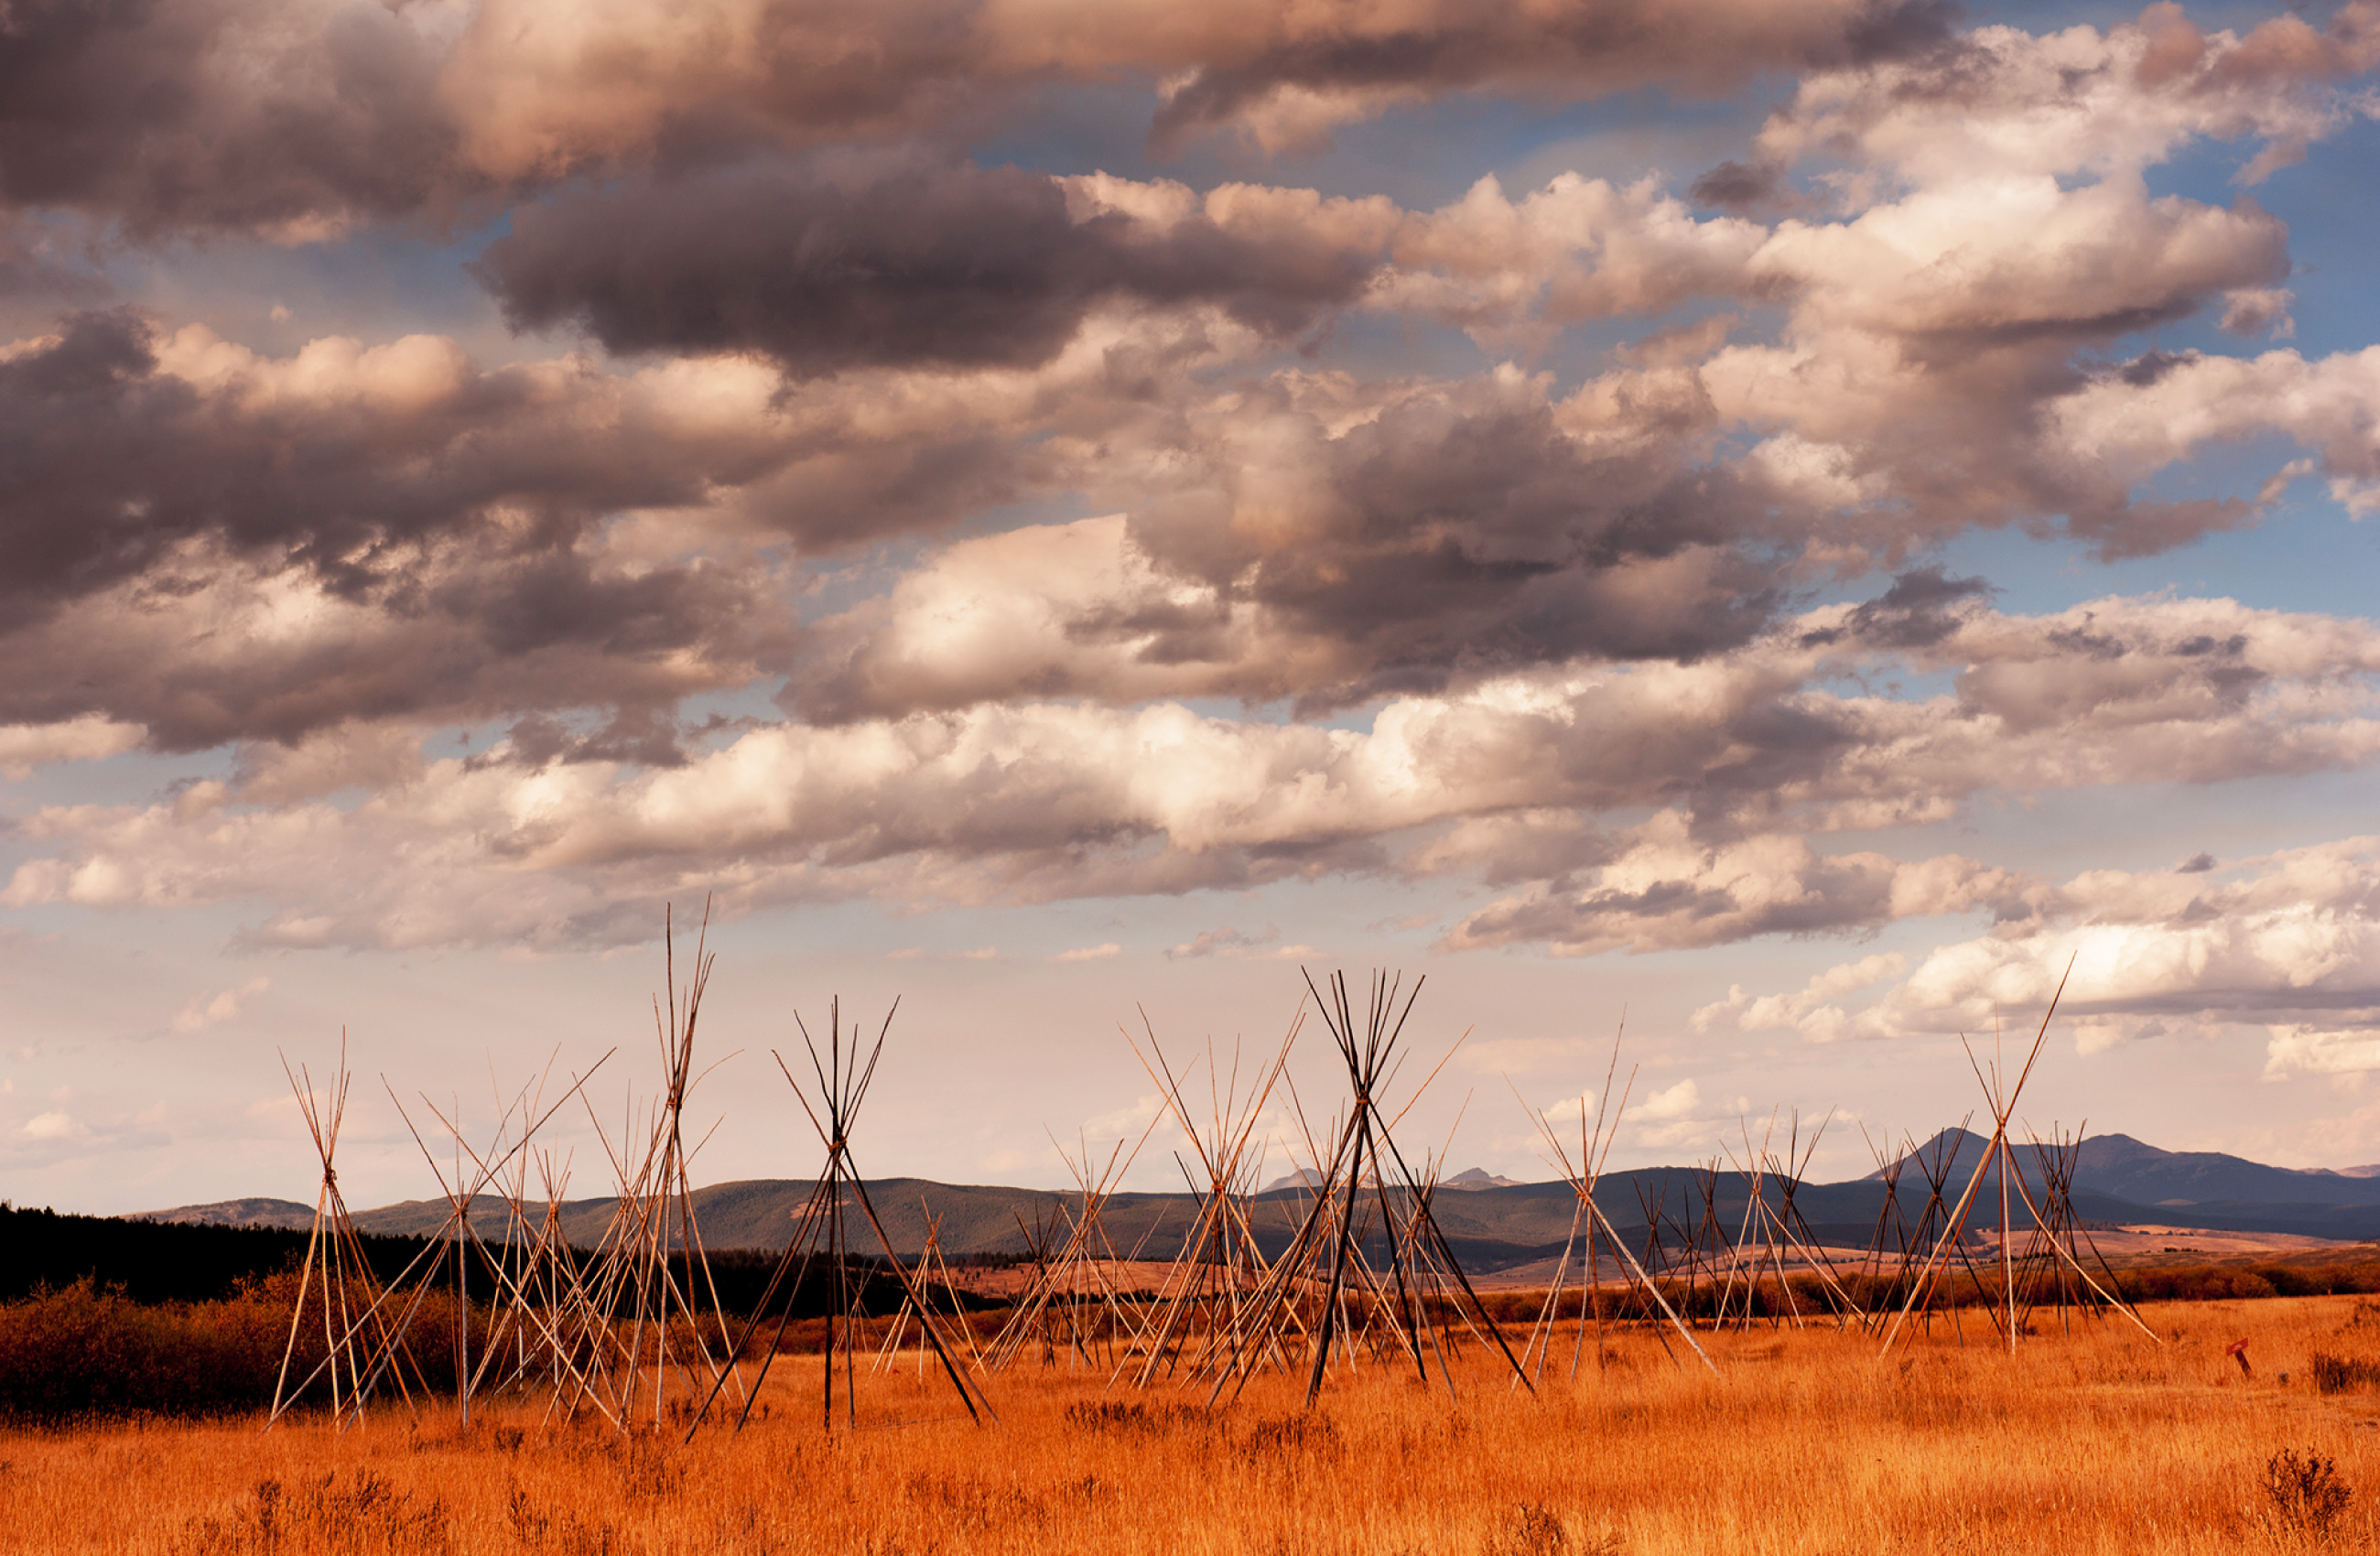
column 1763, row 533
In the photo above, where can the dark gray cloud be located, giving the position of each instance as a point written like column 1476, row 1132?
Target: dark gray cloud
column 1566, row 50
column 219, row 114
column 1917, row 611
column 456, row 529
column 1494, row 541
column 943, row 265
column 1743, row 187
column 107, row 464
column 173, row 115
column 1447, row 536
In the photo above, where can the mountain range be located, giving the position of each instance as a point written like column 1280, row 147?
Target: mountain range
column 2117, row 1179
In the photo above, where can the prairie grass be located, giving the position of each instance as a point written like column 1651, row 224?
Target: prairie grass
column 1809, row 1443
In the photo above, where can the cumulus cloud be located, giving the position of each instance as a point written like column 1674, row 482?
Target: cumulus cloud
column 297, row 117
column 288, row 117
column 213, row 1010
column 1037, row 800
column 55, row 1125
column 953, row 266
column 2143, row 422
column 1998, row 100
column 2289, row 943
column 1225, row 941
column 1664, row 892
column 1296, row 74
column 226, row 546
column 89, row 738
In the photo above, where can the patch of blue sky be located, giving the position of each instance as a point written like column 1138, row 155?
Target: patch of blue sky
column 2134, row 826
column 375, row 284
column 139, row 777
column 1421, row 155
column 2333, row 221
column 2305, row 556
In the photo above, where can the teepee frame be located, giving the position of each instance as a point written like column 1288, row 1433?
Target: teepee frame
column 821, row 1236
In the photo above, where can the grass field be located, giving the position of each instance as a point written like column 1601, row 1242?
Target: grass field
column 1808, row 1443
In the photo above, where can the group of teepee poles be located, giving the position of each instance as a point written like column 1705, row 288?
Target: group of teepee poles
column 1692, row 1269
column 823, row 1242
column 604, row 1331
column 633, row 1329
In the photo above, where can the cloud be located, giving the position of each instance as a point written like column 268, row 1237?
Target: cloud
column 1678, row 1116
column 1770, row 1012
column 213, row 1010
column 915, row 265
column 2330, row 406
column 2287, row 941
column 440, row 551
column 299, row 118
column 1998, row 100
column 92, row 737
column 1664, row 892
column 1089, row 952
column 1225, row 941
column 288, row 117
column 1030, row 801
column 1305, row 547
column 1297, row 74
column 55, row 1127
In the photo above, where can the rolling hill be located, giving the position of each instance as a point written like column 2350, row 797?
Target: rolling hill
column 1492, row 1223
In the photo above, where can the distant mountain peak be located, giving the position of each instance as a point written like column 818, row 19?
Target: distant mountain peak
column 2147, row 1174
column 1469, row 1178
column 1477, row 1178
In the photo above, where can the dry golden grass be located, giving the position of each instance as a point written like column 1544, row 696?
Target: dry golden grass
column 1810, row 1443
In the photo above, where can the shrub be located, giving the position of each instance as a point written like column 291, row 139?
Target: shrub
column 368, row 1515
column 2305, row 1494
column 2338, row 1375
column 87, row 1350
column 81, row 1351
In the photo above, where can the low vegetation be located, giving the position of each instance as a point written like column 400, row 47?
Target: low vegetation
column 84, row 1349
column 1808, row 1443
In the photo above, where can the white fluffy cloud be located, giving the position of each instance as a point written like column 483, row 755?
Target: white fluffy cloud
column 2289, row 943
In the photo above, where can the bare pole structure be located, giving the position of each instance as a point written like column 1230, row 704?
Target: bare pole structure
column 2003, row 1107
column 933, row 1269
column 1792, row 1227
column 533, row 1276
column 2104, row 1294
column 1218, row 1253
column 1887, row 1216
column 1363, row 1155
column 1582, row 1178
column 389, row 1336
column 1708, row 1239
column 1752, row 1224
column 1075, row 1276
column 1760, row 1221
column 1933, row 1222
column 334, row 1264
column 1594, row 1149
column 672, row 1227
column 1999, row 1144
column 819, row 1234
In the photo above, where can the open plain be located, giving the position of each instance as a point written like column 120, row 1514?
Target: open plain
column 1807, row 1441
